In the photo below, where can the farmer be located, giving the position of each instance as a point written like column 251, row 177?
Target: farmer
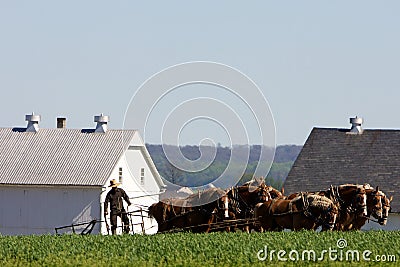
column 115, row 196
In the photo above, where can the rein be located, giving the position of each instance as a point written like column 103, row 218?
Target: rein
column 206, row 212
column 289, row 212
column 370, row 219
column 336, row 195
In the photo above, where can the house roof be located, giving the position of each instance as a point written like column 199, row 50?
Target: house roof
column 334, row 157
column 60, row 156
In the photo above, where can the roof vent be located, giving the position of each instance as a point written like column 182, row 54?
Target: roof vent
column 61, row 123
column 356, row 125
column 33, row 123
column 102, row 121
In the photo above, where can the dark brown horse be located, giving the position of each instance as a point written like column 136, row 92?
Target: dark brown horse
column 306, row 211
column 243, row 199
column 162, row 211
column 197, row 214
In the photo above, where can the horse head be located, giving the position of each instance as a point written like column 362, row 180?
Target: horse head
column 223, row 204
column 331, row 215
column 386, row 208
column 263, row 193
column 216, row 200
column 375, row 203
column 359, row 201
column 160, row 211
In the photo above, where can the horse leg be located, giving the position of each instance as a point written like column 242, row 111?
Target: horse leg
column 232, row 217
column 209, row 223
column 301, row 222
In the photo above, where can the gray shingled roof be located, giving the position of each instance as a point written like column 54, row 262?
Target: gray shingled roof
column 60, row 156
column 331, row 156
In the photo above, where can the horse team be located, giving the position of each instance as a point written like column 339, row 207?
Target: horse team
column 256, row 206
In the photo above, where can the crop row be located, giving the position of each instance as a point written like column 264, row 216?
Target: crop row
column 214, row 249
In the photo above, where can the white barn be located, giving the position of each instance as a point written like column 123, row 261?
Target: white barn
column 56, row 177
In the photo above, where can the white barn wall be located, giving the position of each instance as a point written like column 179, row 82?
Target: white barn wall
column 39, row 209
column 141, row 196
column 148, row 191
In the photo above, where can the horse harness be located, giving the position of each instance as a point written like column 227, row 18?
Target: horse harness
column 306, row 210
column 234, row 200
column 184, row 211
column 339, row 202
column 170, row 204
column 238, row 202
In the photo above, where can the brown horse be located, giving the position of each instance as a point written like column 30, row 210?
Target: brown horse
column 199, row 212
column 306, row 211
column 243, row 199
column 351, row 200
column 375, row 200
column 161, row 212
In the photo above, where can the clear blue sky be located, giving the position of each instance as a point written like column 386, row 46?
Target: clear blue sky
column 317, row 62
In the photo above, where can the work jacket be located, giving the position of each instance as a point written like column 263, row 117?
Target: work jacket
column 115, row 196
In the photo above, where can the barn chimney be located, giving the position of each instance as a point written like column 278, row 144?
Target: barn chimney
column 102, row 121
column 61, row 123
column 356, row 125
column 33, row 123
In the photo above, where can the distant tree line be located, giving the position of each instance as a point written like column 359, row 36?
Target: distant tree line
column 283, row 160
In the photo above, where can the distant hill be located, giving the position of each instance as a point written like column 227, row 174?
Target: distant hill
column 284, row 158
column 287, row 153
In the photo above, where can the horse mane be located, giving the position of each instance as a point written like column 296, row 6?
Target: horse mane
column 275, row 191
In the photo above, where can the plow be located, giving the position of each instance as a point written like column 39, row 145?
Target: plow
column 84, row 228
column 217, row 226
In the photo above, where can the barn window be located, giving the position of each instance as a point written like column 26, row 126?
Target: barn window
column 120, row 174
column 142, row 176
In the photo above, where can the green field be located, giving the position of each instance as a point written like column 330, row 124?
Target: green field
column 186, row 249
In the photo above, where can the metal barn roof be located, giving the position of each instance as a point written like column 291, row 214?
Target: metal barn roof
column 60, row 156
column 333, row 156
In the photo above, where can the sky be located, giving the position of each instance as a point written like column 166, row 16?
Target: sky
column 317, row 63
